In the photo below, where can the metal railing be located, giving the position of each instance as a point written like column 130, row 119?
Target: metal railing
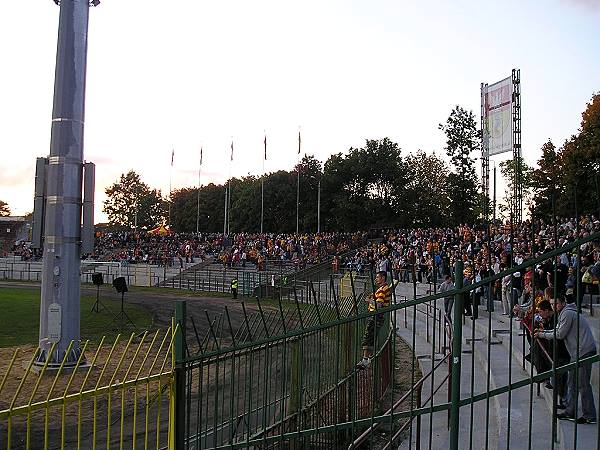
column 115, row 395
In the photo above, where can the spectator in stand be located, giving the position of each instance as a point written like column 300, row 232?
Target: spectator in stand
column 560, row 356
column 569, row 323
column 446, row 286
column 380, row 299
column 506, row 292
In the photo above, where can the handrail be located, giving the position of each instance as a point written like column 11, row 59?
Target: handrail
column 359, row 440
column 416, row 387
column 546, row 354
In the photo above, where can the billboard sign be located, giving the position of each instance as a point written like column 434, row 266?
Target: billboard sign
column 497, row 106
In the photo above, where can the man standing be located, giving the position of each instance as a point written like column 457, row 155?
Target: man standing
column 234, row 288
column 446, row 286
column 567, row 330
column 380, row 299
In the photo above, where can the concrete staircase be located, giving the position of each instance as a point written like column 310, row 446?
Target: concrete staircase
column 527, row 410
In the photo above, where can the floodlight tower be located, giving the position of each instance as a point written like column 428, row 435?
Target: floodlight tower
column 58, row 202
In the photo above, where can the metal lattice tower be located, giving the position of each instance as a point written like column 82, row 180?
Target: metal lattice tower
column 517, row 154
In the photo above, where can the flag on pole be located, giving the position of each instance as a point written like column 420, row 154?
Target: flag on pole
column 172, row 156
column 200, row 155
column 231, row 150
column 265, row 146
column 299, row 142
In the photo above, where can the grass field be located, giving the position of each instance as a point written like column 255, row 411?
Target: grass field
column 21, row 317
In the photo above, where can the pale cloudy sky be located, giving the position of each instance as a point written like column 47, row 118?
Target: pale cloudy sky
column 189, row 73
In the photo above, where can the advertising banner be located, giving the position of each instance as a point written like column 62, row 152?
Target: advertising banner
column 497, row 108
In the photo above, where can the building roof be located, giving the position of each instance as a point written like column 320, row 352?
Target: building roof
column 13, row 219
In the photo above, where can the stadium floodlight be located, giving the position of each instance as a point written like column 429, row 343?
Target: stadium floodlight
column 63, row 241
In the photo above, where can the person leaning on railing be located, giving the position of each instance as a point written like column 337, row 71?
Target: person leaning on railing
column 567, row 329
column 544, row 352
column 380, row 299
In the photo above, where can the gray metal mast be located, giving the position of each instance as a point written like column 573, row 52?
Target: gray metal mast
column 60, row 292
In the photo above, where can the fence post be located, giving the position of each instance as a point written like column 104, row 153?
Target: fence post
column 295, row 402
column 180, row 318
column 456, row 357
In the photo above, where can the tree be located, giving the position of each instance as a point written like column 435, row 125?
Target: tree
column 580, row 157
column 310, row 170
column 4, row 209
column 280, row 202
column 507, row 169
column 184, row 209
column 427, row 196
column 342, row 201
column 365, row 188
column 245, row 204
column 462, row 139
column 131, row 203
column 571, row 174
column 545, row 180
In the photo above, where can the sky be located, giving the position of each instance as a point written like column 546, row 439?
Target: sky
column 188, row 74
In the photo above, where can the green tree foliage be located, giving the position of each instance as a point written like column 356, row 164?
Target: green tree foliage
column 372, row 186
column 507, row 169
column 365, row 188
column 344, row 204
column 280, row 202
column 462, row 139
column 571, row 173
column 310, row 173
column 580, row 157
column 131, row 201
column 427, row 190
column 4, row 209
column 545, row 180
column 245, row 204
column 184, row 208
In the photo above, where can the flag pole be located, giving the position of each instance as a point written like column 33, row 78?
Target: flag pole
column 319, row 207
column 298, row 185
column 229, row 192
column 262, row 188
column 170, row 184
column 225, row 214
column 198, row 206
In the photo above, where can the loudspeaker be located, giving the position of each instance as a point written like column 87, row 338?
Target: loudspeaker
column 120, row 284
column 97, row 279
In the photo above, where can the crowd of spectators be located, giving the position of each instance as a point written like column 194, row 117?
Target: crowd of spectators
column 428, row 255
column 142, row 247
column 544, row 297
column 236, row 250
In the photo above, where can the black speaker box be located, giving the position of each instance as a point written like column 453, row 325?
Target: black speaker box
column 97, row 279
column 120, row 284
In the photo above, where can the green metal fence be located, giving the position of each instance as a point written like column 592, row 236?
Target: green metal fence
column 287, row 379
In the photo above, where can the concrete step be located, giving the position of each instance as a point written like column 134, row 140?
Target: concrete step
column 503, row 357
column 436, row 425
column 586, row 435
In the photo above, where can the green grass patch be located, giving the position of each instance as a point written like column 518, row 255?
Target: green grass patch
column 21, row 317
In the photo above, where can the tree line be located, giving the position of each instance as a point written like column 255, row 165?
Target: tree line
column 376, row 185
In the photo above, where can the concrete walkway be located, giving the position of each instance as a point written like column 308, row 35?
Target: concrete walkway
column 520, row 419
